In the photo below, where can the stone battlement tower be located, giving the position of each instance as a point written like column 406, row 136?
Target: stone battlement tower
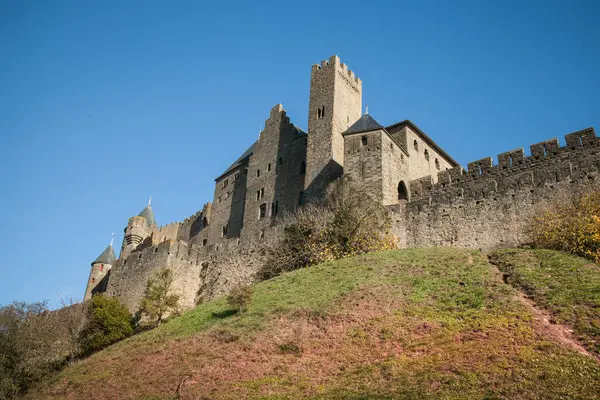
column 335, row 104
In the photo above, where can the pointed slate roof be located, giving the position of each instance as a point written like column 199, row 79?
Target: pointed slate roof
column 365, row 123
column 149, row 215
column 107, row 256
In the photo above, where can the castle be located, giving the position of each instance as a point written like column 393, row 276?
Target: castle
column 432, row 200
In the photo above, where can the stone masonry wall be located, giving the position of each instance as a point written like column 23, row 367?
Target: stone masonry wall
column 275, row 175
column 488, row 206
column 395, row 169
column 335, row 104
column 364, row 161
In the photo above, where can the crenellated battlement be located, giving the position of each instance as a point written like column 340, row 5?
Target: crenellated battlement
column 547, row 164
column 334, row 63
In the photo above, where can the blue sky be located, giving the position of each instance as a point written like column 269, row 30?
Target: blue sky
column 105, row 103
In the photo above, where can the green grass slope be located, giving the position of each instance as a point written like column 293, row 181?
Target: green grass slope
column 416, row 324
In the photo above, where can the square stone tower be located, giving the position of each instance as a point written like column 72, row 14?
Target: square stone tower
column 335, row 104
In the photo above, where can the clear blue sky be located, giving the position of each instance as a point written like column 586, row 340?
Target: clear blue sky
column 105, row 103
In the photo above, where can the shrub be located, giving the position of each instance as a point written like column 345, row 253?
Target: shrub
column 571, row 225
column 108, row 321
column 240, row 297
column 35, row 342
column 159, row 299
column 347, row 222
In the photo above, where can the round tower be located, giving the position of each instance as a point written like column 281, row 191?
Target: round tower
column 98, row 275
column 138, row 228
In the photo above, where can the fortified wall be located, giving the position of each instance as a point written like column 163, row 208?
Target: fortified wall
column 489, row 205
column 433, row 201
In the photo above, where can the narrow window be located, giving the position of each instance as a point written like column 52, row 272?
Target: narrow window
column 93, row 280
column 257, row 173
column 272, row 209
column 204, row 221
column 260, row 194
column 225, row 183
column 237, row 176
column 303, row 168
column 364, row 141
column 219, row 200
column 101, row 267
column 224, row 230
column 276, row 206
column 319, row 113
column 416, row 145
column 427, row 154
column 437, row 164
column 262, row 210
column 269, row 167
column 204, row 241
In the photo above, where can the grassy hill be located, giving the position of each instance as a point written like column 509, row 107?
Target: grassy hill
column 417, row 324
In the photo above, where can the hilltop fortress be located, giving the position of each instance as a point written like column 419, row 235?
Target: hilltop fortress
column 432, row 200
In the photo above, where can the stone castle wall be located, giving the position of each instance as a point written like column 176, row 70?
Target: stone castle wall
column 489, row 205
column 432, row 201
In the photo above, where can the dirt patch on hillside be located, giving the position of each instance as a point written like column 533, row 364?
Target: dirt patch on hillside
column 544, row 323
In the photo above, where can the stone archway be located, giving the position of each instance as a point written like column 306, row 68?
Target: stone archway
column 402, row 192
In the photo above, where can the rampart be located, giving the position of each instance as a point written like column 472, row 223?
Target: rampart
column 489, row 205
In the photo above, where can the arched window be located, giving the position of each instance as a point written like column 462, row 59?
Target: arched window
column 416, row 145
column 426, row 154
column 437, row 163
column 402, row 192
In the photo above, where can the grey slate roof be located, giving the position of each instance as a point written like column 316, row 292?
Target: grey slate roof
column 240, row 160
column 107, row 256
column 149, row 215
column 249, row 152
column 365, row 123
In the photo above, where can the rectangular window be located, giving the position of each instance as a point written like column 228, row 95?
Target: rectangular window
column 364, row 141
column 225, row 183
column 224, row 230
column 262, row 210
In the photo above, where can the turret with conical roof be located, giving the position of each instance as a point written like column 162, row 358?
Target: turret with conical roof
column 99, row 274
column 138, row 228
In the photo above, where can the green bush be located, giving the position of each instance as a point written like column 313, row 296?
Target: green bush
column 347, row 222
column 108, row 321
column 159, row 300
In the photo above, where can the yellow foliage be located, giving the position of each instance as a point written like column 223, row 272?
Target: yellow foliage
column 572, row 226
